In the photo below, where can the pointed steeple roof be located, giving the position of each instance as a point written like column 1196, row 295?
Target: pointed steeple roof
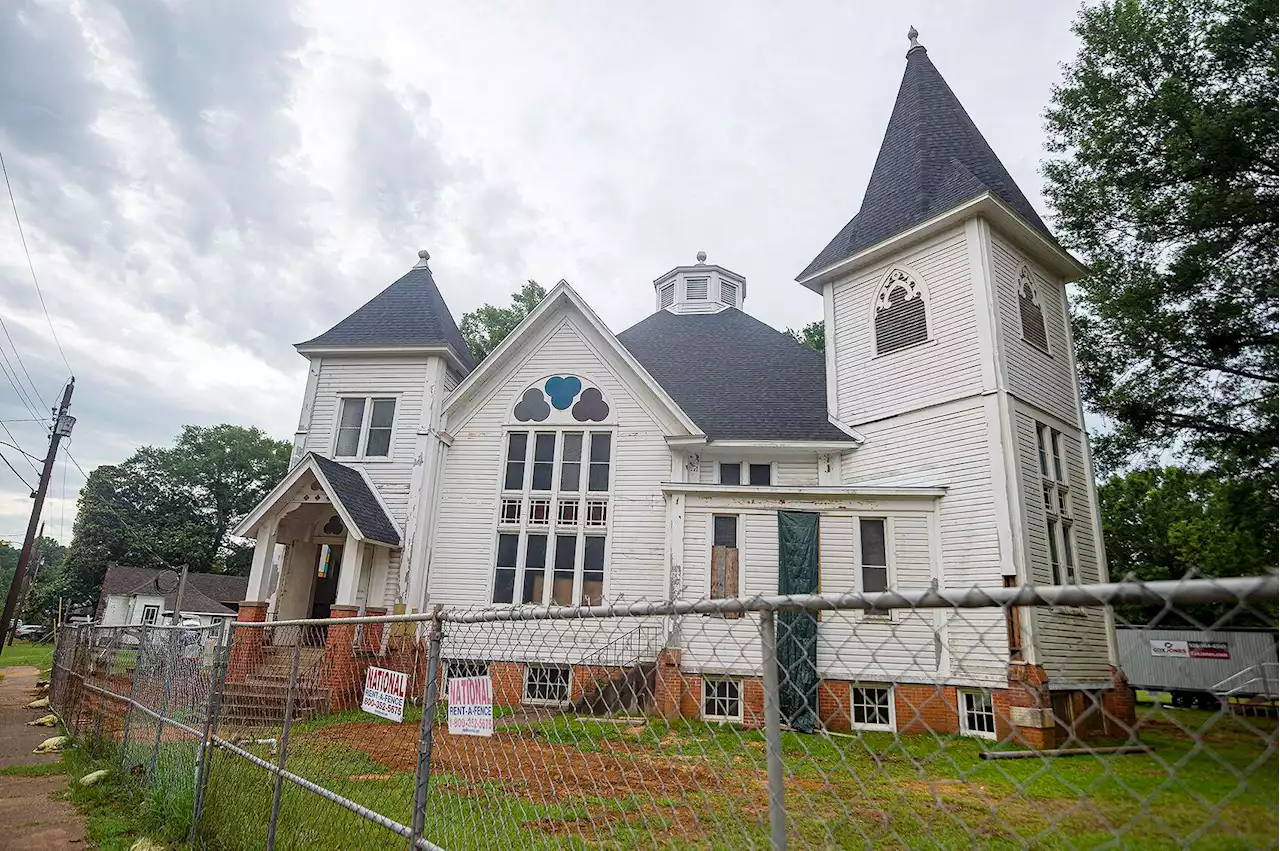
column 932, row 159
column 409, row 313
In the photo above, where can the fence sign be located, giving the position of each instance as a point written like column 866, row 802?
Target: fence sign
column 1169, row 648
column 1208, row 650
column 384, row 693
column 471, row 706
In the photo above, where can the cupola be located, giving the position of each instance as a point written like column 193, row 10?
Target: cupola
column 700, row 288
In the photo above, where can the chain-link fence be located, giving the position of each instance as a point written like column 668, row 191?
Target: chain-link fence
column 935, row 719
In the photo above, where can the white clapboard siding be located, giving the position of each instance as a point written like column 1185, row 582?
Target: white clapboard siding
column 1071, row 644
column 1045, row 381
column 370, row 376
column 803, row 472
column 462, row 557
column 947, row 447
column 949, row 366
column 569, row 642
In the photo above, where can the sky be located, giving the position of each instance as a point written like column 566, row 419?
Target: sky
column 202, row 185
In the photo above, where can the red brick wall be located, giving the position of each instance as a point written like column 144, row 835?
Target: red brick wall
column 922, row 708
column 833, row 705
column 246, row 647
column 508, row 683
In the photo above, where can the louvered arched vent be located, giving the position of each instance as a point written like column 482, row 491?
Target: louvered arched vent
column 1030, row 312
column 901, row 313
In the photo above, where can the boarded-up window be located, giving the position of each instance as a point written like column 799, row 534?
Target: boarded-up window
column 1029, row 311
column 724, row 558
column 901, row 313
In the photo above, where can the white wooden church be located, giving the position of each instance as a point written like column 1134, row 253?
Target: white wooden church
column 938, row 441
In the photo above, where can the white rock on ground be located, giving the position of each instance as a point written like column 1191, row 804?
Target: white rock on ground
column 94, row 777
column 145, row 844
column 42, row 703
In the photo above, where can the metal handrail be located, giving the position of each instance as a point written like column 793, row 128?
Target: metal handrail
column 1246, row 687
column 597, row 657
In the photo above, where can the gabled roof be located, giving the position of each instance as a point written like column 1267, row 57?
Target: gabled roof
column 736, row 378
column 352, row 494
column 411, row 313
column 932, row 159
column 212, row 593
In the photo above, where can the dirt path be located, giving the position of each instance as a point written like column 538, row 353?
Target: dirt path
column 31, row 816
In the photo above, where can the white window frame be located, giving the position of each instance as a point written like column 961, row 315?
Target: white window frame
column 702, row 281
column 362, row 442
column 962, row 710
column 726, row 719
column 742, row 552
column 893, row 715
column 891, row 577
column 539, row 701
column 554, row 528
column 744, row 472
column 1054, row 478
column 155, row 614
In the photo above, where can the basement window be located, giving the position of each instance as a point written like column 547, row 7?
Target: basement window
column 462, row 668
column 721, row 699
column 977, row 714
column 546, row 685
column 871, row 707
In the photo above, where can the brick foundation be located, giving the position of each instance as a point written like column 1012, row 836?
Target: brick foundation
column 1119, row 707
column 246, row 648
column 343, row 673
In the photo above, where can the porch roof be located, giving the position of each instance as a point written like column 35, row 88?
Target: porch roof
column 353, row 496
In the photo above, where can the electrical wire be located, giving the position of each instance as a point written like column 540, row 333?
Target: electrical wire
column 26, row 455
column 20, row 449
column 22, row 236
column 15, row 472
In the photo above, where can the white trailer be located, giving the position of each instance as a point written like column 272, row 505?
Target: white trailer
column 1201, row 667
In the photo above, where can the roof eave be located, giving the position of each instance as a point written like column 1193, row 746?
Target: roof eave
column 309, row 350
column 805, row 446
column 827, row 491
column 1044, row 250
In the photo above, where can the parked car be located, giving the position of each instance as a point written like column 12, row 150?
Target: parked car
column 29, row 631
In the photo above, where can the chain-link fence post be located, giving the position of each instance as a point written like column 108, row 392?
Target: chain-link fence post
column 430, row 695
column 93, row 659
column 204, row 757
column 133, row 695
column 169, row 660
column 773, row 731
column 284, row 743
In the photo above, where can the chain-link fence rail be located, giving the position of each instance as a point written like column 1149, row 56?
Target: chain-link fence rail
column 991, row 716
column 140, row 695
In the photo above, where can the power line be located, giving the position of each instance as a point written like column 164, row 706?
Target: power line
column 22, row 236
column 7, row 367
column 27, row 455
column 20, row 449
column 15, row 472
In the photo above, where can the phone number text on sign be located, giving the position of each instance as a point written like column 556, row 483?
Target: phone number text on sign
column 471, row 706
column 384, row 693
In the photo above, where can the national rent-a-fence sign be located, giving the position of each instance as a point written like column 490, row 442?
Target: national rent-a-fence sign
column 384, row 693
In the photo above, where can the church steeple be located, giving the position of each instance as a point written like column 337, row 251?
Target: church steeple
column 933, row 158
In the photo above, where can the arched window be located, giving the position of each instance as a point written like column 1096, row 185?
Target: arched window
column 1029, row 310
column 900, row 313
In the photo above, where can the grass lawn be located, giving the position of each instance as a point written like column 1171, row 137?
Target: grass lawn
column 24, row 653
column 569, row 782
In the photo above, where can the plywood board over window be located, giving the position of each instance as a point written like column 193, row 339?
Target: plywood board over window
column 725, row 559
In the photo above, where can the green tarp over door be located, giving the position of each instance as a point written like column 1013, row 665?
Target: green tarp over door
column 798, row 631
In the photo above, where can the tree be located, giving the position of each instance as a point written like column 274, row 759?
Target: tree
column 173, row 506
column 813, row 335
column 1165, row 180
column 1166, row 523
column 486, row 327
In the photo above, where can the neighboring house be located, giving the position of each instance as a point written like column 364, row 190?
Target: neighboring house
column 940, row 439
column 143, row 595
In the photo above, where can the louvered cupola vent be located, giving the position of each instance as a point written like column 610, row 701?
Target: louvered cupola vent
column 700, row 288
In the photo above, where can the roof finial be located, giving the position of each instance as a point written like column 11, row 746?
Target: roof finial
column 702, row 257
column 912, row 35
column 423, row 257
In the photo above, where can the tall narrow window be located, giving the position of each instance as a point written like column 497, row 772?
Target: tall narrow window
column 571, row 462
column 1055, row 568
column 901, row 318
column 535, row 569
column 598, row 474
column 1030, row 312
column 1068, row 555
column 504, row 578
column 1055, row 483
column 517, row 445
column 1056, row 439
column 562, row 582
column 725, row 567
column 378, row 443
column 593, row 571
column 349, row 424
column 544, row 453
column 875, row 557
column 1044, row 455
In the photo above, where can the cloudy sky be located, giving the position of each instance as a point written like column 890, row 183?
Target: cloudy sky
column 203, row 184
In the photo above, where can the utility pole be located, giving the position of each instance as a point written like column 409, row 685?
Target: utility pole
column 177, row 603
column 62, row 426
column 24, row 595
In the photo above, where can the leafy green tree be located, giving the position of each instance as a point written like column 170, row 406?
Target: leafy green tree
column 486, row 327
column 1166, row 523
column 813, row 335
column 172, row 506
column 1165, row 180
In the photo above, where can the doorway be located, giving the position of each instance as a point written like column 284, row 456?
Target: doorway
column 324, row 591
column 798, row 631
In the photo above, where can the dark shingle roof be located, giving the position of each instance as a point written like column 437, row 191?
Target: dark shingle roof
column 206, row 592
column 736, row 378
column 410, row 312
column 932, row 159
column 351, row 489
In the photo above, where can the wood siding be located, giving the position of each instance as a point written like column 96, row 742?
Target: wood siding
column 870, row 387
column 1045, row 381
column 1071, row 644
